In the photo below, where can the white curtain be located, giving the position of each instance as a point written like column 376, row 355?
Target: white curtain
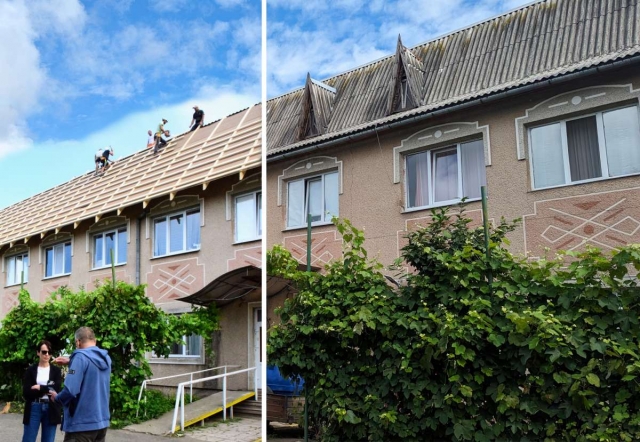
column 176, row 234
column 473, row 168
column 314, row 199
column 245, row 218
column 331, row 191
column 445, row 175
column 160, row 237
column 546, row 153
column 295, row 204
column 98, row 254
column 418, row 179
column 58, row 260
column 622, row 138
column 12, row 274
column 122, row 246
column 193, row 230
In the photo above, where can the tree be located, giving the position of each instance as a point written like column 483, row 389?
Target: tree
column 548, row 351
column 126, row 323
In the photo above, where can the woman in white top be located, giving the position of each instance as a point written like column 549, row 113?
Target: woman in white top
column 39, row 379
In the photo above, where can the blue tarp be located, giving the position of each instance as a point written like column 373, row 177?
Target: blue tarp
column 281, row 385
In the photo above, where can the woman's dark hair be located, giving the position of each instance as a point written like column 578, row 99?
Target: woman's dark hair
column 43, row 342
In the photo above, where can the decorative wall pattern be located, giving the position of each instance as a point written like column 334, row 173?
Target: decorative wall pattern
column 411, row 225
column 9, row 301
column 49, row 287
column 169, row 281
column 244, row 257
column 325, row 246
column 604, row 220
column 102, row 275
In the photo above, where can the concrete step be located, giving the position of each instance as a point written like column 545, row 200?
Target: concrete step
column 249, row 407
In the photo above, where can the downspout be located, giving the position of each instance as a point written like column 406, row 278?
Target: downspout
column 142, row 216
column 456, row 107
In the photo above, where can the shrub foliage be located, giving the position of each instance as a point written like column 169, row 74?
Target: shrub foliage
column 548, row 352
column 126, row 323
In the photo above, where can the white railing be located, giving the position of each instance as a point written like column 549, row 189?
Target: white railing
column 180, row 394
column 148, row 381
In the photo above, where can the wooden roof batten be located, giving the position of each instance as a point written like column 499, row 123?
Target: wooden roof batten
column 191, row 159
column 517, row 50
column 316, row 108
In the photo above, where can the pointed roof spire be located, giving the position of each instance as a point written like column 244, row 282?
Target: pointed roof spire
column 406, row 92
column 317, row 105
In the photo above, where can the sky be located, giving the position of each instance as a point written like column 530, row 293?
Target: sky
column 79, row 75
column 326, row 37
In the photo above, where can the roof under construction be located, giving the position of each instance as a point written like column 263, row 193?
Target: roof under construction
column 222, row 148
column 536, row 42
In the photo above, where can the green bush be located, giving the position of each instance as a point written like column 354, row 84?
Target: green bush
column 126, row 322
column 548, row 351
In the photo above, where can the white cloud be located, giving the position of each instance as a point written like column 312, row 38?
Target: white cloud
column 168, row 5
column 300, row 40
column 21, row 85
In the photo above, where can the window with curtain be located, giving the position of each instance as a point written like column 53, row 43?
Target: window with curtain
column 176, row 233
column 317, row 196
column 445, row 175
column 107, row 242
column 189, row 347
column 248, row 213
column 603, row 145
column 57, row 260
column 15, row 265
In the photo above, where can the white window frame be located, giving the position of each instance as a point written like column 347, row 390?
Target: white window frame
column 167, row 218
column 324, row 215
column 258, row 215
column 565, row 148
column 53, row 246
column 104, row 250
column 24, row 268
column 431, row 152
column 183, row 346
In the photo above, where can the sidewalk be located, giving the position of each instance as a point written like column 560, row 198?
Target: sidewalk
column 239, row 430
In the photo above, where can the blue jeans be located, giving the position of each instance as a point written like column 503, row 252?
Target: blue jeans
column 39, row 415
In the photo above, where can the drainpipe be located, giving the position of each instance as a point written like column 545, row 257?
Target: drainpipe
column 358, row 135
column 142, row 216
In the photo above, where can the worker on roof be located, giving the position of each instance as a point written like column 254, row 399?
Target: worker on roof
column 198, row 118
column 102, row 159
column 161, row 142
column 151, row 140
column 158, row 135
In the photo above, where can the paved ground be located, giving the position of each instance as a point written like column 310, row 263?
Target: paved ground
column 240, row 430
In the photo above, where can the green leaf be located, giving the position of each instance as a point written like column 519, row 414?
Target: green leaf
column 593, row 379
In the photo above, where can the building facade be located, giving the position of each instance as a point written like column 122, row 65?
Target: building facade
column 174, row 221
column 539, row 104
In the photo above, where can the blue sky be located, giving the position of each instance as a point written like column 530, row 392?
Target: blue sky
column 83, row 74
column 326, row 37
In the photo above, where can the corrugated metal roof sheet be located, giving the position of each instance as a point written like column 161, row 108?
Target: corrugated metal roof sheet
column 219, row 149
column 536, row 42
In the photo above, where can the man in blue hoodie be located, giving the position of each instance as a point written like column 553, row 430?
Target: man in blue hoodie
column 85, row 396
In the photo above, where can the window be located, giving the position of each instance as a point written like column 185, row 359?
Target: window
column 190, row 347
column 176, row 233
column 602, row 145
column 317, row 196
column 111, row 241
column 58, row 260
column 248, row 217
column 445, row 175
column 17, row 264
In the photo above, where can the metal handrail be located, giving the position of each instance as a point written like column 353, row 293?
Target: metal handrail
column 147, row 381
column 180, row 394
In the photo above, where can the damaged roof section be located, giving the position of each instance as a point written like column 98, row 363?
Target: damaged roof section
column 316, row 109
column 225, row 147
column 539, row 41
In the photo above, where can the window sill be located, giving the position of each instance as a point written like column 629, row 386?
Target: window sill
column 247, row 241
column 183, row 360
column 56, row 276
column 577, row 183
column 14, row 285
column 108, row 267
column 175, row 254
column 317, row 224
column 435, row 206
